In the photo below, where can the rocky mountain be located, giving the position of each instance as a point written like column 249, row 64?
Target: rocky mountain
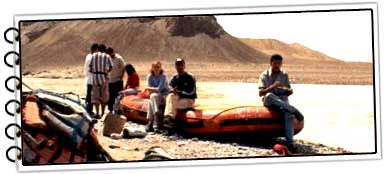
column 64, row 44
column 198, row 39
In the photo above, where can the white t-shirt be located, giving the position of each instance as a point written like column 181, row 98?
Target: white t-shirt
column 88, row 75
column 116, row 73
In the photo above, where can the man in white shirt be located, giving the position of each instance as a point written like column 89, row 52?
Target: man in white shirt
column 89, row 77
column 115, row 76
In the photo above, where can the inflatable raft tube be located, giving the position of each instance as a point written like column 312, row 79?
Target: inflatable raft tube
column 242, row 119
column 48, row 120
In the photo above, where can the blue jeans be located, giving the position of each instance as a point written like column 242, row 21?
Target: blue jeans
column 273, row 101
column 129, row 91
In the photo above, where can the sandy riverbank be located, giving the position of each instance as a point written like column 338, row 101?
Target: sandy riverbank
column 338, row 117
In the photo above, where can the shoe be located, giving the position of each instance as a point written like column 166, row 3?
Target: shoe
column 160, row 130
column 149, row 128
column 94, row 120
column 117, row 112
column 97, row 116
column 160, row 125
column 157, row 130
column 292, row 148
column 169, row 122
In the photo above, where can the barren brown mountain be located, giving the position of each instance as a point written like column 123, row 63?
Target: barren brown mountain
column 291, row 52
column 57, row 49
column 197, row 39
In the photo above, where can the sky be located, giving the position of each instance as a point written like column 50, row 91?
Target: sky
column 343, row 35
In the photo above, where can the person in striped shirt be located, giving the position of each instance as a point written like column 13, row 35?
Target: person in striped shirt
column 100, row 66
column 89, row 77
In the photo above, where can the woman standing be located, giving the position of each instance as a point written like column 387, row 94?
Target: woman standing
column 158, row 89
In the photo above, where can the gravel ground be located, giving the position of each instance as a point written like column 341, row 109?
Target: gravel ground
column 179, row 146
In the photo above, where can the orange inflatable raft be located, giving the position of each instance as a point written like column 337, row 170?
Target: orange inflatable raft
column 242, row 119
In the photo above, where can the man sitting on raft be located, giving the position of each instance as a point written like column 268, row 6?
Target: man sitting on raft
column 274, row 87
column 183, row 93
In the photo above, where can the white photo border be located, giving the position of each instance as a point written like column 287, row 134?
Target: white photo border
column 210, row 11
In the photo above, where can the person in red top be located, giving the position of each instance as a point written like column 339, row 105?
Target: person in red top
column 131, row 86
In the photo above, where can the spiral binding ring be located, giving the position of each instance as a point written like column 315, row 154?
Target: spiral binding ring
column 18, row 132
column 18, row 156
column 16, row 38
column 18, row 85
column 17, row 61
column 17, row 108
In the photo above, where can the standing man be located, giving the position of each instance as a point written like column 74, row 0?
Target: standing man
column 274, row 87
column 115, row 77
column 183, row 92
column 100, row 66
column 89, row 78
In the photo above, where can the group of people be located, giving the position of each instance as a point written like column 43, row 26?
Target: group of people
column 105, row 70
column 168, row 96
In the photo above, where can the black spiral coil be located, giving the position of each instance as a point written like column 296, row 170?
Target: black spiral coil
column 17, row 85
column 18, row 133
column 17, row 38
column 17, row 61
column 18, row 156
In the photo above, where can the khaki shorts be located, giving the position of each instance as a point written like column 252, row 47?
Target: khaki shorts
column 100, row 94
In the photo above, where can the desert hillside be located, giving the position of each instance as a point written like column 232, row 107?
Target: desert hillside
column 57, row 49
column 291, row 52
column 197, row 39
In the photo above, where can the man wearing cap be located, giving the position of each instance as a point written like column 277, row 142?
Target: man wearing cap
column 183, row 92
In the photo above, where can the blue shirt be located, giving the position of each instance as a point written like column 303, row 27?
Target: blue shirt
column 160, row 83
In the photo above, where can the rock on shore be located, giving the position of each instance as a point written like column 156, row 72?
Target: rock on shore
column 188, row 147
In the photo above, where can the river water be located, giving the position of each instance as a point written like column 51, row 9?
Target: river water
column 335, row 115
